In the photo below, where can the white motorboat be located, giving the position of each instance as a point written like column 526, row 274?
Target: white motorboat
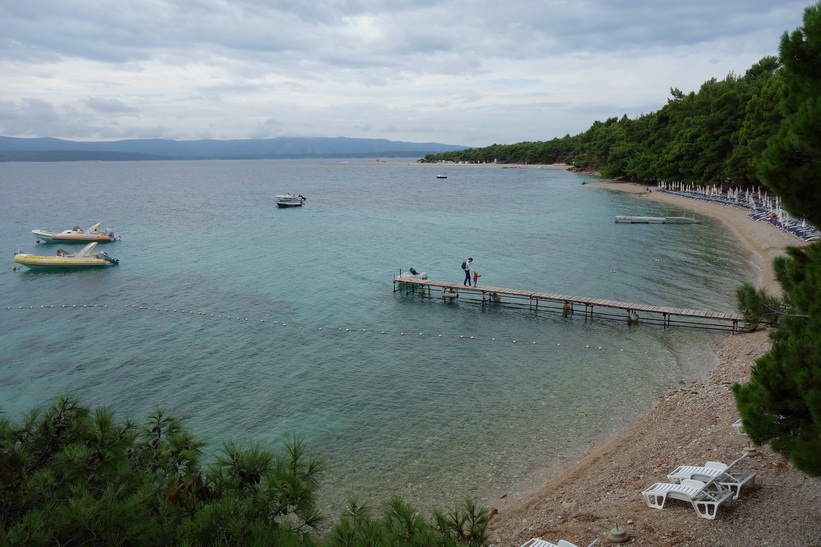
column 442, row 176
column 95, row 233
column 411, row 274
column 86, row 257
column 290, row 200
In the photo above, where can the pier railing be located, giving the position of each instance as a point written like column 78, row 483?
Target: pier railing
column 571, row 306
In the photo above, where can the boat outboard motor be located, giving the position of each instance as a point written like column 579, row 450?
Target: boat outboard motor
column 414, row 272
column 107, row 258
column 62, row 252
column 303, row 197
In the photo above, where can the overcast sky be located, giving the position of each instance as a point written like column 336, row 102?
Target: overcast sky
column 466, row 72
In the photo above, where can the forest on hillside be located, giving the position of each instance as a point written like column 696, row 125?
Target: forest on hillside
column 713, row 136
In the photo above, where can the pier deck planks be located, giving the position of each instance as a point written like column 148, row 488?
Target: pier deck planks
column 536, row 298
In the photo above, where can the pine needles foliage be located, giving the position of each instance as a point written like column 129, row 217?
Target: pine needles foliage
column 71, row 475
column 781, row 404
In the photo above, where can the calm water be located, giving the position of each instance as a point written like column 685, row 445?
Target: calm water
column 267, row 322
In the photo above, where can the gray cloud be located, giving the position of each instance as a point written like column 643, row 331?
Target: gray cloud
column 462, row 72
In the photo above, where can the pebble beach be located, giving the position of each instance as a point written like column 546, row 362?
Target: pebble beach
column 688, row 425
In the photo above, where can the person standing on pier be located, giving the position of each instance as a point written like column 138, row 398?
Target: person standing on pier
column 466, row 266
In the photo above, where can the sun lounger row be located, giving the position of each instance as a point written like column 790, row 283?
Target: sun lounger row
column 705, row 487
column 761, row 209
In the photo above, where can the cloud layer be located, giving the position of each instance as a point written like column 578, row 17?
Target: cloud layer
column 464, row 72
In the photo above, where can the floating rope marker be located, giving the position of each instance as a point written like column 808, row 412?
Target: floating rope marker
column 492, row 339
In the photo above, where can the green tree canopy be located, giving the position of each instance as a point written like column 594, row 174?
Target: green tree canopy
column 792, row 160
column 781, row 404
column 71, row 475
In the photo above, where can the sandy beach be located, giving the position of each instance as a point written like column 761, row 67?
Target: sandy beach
column 687, row 426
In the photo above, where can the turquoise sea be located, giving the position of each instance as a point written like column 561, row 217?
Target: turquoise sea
column 254, row 323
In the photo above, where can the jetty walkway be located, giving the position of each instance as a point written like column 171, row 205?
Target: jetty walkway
column 587, row 308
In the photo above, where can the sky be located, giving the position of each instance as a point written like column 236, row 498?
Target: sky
column 461, row 72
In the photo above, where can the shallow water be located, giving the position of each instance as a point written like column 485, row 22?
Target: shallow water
column 254, row 323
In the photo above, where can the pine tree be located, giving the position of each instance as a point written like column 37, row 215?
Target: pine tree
column 781, row 404
column 792, row 159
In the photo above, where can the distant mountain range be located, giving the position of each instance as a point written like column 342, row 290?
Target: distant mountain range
column 49, row 149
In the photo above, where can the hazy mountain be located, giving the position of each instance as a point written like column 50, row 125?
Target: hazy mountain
column 49, row 149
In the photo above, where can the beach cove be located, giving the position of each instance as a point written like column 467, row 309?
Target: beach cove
column 688, row 426
column 253, row 323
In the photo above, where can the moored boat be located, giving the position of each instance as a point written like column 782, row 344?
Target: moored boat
column 290, row 200
column 412, row 274
column 86, row 257
column 95, row 233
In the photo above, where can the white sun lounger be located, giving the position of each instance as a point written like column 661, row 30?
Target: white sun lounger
column 733, row 476
column 537, row 542
column 704, row 497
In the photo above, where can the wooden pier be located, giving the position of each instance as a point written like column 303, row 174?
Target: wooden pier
column 587, row 308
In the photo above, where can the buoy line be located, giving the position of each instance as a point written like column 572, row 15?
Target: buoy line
column 279, row 323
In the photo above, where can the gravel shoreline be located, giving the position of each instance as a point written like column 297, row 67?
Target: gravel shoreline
column 687, row 426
